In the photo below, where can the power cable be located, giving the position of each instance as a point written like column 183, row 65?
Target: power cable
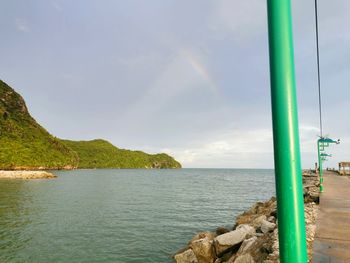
column 318, row 71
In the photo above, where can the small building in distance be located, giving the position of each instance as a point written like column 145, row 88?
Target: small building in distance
column 344, row 168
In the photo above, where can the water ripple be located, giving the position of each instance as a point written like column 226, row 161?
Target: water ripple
column 122, row 216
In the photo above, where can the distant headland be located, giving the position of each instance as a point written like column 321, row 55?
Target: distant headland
column 25, row 145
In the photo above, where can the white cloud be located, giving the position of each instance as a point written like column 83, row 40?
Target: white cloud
column 243, row 149
column 308, row 137
column 234, row 149
column 56, row 5
column 22, row 25
column 242, row 19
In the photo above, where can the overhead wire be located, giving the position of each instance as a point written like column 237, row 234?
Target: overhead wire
column 318, row 71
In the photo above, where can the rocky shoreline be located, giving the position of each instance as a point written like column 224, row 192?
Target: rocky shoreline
column 26, row 175
column 254, row 237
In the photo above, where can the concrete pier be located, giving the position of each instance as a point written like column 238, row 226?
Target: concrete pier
column 332, row 240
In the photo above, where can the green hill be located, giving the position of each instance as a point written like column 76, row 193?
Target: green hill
column 24, row 144
column 102, row 154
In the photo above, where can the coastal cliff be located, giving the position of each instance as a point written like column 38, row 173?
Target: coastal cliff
column 26, row 145
column 254, row 236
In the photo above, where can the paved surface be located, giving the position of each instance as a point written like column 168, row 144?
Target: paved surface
column 332, row 241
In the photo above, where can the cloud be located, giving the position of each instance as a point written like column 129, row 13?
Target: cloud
column 243, row 19
column 308, row 136
column 196, row 87
column 240, row 148
column 183, row 74
column 56, row 6
column 22, row 25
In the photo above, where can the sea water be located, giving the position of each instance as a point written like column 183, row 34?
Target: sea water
column 121, row 215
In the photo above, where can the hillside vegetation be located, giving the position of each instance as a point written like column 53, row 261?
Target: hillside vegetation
column 24, row 144
column 102, row 154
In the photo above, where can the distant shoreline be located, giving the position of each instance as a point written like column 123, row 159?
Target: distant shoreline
column 26, row 175
column 97, row 168
column 41, row 173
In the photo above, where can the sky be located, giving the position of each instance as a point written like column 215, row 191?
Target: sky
column 189, row 78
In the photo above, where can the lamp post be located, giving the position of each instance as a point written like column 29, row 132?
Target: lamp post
column 288, row 174
column 322, row 143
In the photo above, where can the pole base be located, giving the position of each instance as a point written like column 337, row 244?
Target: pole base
column 321, row 188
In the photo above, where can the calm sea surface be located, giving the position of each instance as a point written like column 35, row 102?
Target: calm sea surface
column 121, row 215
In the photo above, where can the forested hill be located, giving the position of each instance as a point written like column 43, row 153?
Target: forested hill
column 102, row 154
column 24, row 144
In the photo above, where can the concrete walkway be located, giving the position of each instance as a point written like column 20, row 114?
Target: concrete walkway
column 332, row 240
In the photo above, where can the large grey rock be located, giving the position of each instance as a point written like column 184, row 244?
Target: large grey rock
column 187, row 256
column 267, row 226
column 247, row 243
column 204, row 250
column 228, row 240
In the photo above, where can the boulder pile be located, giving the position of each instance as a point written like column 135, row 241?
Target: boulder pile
column 254, row 237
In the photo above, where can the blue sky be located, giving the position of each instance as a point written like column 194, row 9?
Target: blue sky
column 189, row 78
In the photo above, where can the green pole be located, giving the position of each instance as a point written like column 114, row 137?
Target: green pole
column 320, row 165
column 288, row 174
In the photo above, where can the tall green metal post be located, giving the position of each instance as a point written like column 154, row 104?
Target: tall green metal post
column 320, row 168
column 322, row 143
column 290, row 204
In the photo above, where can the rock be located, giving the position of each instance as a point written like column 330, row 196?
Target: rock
column 268, row 209
column 228, row 240
column 209, row 235
column 310, row 220
column 187, row 256
column 255, row 238
column 246, row 258
column 272, row 219
column 311, row 188
column 221, row 230
column 267, row 226
column 257, row 247
column 26, row 175
column 204, row 250
column 199, row 243
column 258, row 221
column 246, row 245
column 273, row 242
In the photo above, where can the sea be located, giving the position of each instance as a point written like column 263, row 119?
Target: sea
column 126, row 216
